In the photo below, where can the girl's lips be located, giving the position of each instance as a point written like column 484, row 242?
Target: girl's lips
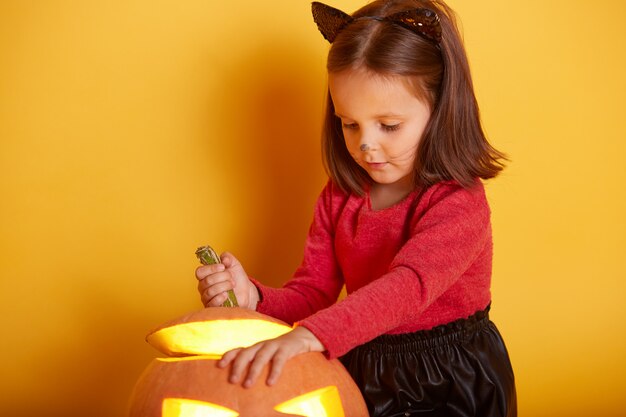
column 376, row 165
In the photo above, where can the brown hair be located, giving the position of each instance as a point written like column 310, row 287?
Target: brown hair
column 453, row 146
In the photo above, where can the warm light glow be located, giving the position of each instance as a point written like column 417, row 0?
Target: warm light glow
column 181, row 407
column 190, row 358
column 324, row 402
column 214, row 337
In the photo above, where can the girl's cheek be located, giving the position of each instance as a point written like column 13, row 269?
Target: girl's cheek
column 352, row 147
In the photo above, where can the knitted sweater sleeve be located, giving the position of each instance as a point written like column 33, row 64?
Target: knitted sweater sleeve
column 449, row 231
column 317, row 282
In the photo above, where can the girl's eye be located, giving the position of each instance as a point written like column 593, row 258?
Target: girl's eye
column 390, row 128
column 350, row 125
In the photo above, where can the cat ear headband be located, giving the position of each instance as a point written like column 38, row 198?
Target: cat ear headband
column 331, row 21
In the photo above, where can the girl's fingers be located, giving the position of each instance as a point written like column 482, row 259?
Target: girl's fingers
column 229, row 260
column 262, row 357
column 213, row 289
column 215, row 301
column 240, row 363
column 207, row 270
column 228, row 357
column 248, row 363
column 278, row 363
column 268, row 352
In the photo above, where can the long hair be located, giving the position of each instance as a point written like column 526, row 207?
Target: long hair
column 453, row 145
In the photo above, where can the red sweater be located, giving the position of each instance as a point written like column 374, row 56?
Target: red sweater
column 415, row 265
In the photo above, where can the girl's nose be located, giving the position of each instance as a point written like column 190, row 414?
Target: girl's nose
column 364, row 139
column 367, row 142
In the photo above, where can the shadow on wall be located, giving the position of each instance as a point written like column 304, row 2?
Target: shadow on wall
column 279, row 113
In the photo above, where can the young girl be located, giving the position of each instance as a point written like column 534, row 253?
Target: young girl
column 403, row 222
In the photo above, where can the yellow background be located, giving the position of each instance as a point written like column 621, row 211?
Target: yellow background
column 132, row 132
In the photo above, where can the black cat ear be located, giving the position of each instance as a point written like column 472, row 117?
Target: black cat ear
column 330, row 21
column 424, row 22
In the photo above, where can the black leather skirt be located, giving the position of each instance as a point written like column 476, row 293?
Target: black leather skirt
column 458, row 369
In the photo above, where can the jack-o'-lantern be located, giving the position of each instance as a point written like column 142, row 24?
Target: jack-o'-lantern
column 188, row 383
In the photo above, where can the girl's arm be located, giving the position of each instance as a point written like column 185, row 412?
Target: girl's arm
column 445, row 241
column 315, row 286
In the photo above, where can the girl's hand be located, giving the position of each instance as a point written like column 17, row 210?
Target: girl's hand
column 277, row 351
column 215, row 280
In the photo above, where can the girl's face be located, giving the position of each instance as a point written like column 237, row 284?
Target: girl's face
column 383, row 121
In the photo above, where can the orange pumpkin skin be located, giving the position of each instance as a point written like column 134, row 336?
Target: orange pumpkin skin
column 198, row 378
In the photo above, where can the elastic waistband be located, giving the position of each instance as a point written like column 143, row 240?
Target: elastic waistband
column 455, row 332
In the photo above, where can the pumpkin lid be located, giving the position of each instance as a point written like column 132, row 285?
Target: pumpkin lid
column 214, row 331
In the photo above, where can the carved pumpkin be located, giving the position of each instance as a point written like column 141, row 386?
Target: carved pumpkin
column 188, row 382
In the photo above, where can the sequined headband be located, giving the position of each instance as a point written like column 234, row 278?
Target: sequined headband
column 331, row 21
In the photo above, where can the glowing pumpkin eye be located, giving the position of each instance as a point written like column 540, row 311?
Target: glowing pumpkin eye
column 181, row 407
column 324, row 402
